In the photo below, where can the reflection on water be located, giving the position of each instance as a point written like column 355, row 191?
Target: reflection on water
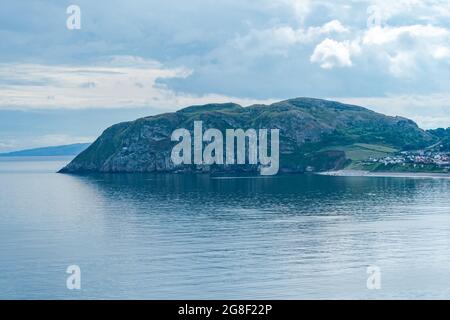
column 181, row 236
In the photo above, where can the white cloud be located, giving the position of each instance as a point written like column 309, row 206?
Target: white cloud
column 399, row 49
column 332, row 26
column 278, row 40
column 426, row 10
column 440, row 52
column 403, row 48
column 5, row 145
column 402, row 64
column 330, row 53
column 118, row 82
column 383, row 35
column 300, row 8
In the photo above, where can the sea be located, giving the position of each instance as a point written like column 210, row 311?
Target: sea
column 175, row 236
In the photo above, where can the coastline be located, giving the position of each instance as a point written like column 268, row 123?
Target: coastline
column 362, row 173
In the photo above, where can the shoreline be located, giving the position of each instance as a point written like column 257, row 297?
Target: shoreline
column 363, row 173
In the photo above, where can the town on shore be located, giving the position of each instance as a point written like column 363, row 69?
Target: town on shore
column 415, row 161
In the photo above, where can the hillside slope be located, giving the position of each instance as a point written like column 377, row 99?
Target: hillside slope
column 314, row 135
column 66, row 150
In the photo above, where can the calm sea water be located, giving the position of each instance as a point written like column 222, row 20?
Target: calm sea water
column 179, row 237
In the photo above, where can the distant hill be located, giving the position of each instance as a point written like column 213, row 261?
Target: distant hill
column 67, row 150
column 444, row 136
column 315, row 135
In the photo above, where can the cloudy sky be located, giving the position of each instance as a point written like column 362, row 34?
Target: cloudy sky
column 133, row 58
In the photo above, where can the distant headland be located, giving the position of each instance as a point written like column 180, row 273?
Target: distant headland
column 315, row 136
column 65, row 150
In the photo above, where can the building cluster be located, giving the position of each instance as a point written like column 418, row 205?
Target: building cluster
column 441, row 159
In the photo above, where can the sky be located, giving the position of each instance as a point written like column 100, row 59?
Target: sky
column 134, row 58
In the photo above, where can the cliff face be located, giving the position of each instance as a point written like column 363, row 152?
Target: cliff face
column 310, row 129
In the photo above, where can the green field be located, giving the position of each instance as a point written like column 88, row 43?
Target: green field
column 363, row 151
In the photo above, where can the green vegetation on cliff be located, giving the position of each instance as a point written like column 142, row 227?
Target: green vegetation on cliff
column 315, row 135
